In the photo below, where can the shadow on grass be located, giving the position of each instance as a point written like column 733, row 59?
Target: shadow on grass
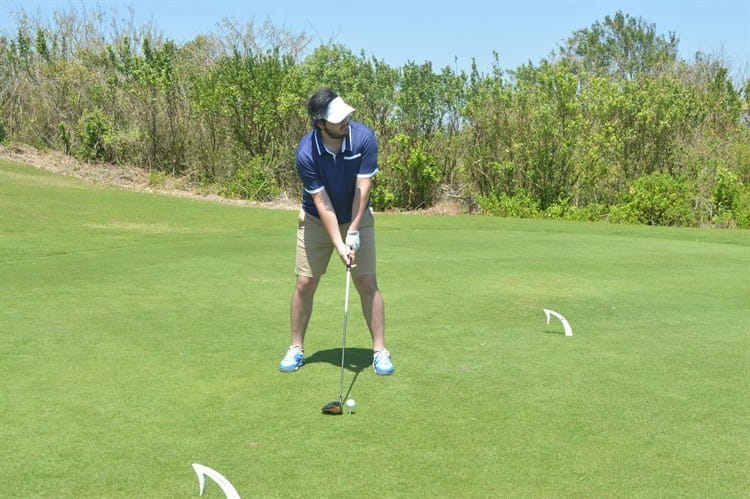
column 356, row 360
column 550, row 331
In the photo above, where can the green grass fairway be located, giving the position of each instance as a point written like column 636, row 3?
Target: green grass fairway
column 142, row 333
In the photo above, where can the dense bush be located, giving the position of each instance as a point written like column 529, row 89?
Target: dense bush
column 94, row 137
column 254, row 180
column 659, row 199
column 410, row 174
column 613, row 127
column 519, row 205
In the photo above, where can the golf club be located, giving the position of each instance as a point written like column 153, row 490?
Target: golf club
column 335, row 407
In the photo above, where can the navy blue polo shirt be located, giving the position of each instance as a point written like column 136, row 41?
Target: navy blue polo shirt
column 337, row 173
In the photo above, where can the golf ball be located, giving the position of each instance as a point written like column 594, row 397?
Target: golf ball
column 350, row 403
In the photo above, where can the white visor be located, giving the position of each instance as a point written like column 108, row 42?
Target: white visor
column 338, row 110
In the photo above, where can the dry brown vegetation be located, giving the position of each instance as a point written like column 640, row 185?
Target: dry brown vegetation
column 139, row 179
column 128, row 177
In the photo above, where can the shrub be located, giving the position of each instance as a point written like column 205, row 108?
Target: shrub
column 726, row 191
column 659, row 199
column 157, row 178
column 619, row 214
column 742, row 210
column 519, row 205
column 411, row 174
column 93, row 134
column 594, row 212
column 254, row 180
column 3, row 132
column 381, row 198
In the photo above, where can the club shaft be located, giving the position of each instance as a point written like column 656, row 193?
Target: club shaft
column 343, row 336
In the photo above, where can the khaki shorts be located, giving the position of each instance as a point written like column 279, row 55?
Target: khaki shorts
column 314, row 247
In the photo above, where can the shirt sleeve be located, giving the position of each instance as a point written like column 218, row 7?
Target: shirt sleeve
column 369, row 164
column 307, row 169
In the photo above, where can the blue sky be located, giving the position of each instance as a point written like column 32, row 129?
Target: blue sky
column 442, row 32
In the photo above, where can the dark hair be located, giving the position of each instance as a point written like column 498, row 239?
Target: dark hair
column 318, row 104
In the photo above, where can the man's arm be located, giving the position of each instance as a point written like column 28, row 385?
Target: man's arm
column 330, row 222
column 359, row 205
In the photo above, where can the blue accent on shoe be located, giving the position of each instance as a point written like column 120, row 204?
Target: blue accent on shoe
column 381, row 362
column 293, row 360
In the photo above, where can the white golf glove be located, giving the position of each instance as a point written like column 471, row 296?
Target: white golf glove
column 352, row 239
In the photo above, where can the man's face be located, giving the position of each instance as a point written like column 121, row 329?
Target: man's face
column 336, row 130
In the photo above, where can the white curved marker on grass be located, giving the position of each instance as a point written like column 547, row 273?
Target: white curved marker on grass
column 566, row 326
column 224, row 484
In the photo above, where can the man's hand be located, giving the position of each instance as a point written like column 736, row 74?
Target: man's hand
column 352, row 239
column 347, row 254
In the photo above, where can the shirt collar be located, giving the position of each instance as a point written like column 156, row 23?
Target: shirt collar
column 346, row 144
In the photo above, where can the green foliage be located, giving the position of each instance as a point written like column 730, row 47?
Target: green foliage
column 410, row 174
column 564, row 210
column 254, row 180
column 332, row 66
column 489, row 142
column 375, row 96
column 250, row 88
column 585, row 135
column 3, row 131
column 659, row 199
column 248, row 105
column 622, row 46
column 93, row 136
column 742, row 210
column 427, row 101
column 151, row 83
column 547, row 131
column 726, row 191
column 381, row 197
column 157, row 178
column 368, row 84
column 519, row 205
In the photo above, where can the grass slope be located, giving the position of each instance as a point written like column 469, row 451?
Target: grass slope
column 142, row 333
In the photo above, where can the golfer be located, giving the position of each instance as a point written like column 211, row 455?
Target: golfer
column 336, row 162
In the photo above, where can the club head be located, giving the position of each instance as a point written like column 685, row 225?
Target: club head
column 332, row 408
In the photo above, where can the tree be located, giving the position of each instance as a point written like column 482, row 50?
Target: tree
column 621, row 47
